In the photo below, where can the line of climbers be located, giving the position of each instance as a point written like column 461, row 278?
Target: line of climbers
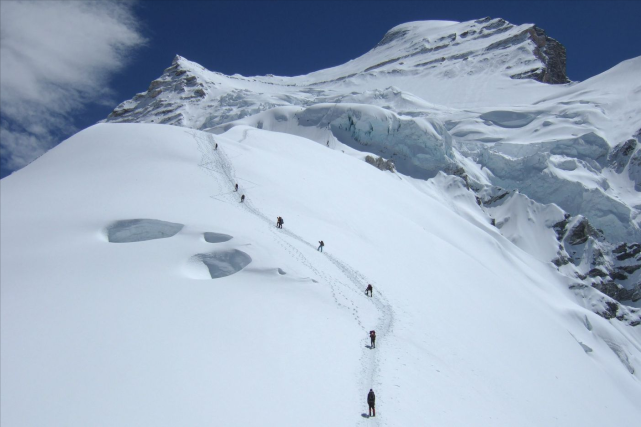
column 371, row 397
column 369, row 291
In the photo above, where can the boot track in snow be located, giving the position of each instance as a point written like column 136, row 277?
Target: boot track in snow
column 345, row 291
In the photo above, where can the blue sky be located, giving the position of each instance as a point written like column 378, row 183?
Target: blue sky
column 116, row 49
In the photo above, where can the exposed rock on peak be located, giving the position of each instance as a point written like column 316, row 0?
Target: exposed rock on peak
column 552, row 55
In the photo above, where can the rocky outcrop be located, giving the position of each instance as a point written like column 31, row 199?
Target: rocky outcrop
column 634, row 168
column 614, row 270
column 621, row 154
column 580, row 233
column 605, row 306
column 380, row 163
column 552, row 54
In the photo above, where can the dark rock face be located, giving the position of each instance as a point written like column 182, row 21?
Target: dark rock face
column 620, row 155
column 618, row 292
column 634, row 170
column 495, row 198
column 625, row 251
column 560, row 226
column 614, row 269
column 561, row 261
column 597, row 272
column 628, row 269
column 552, row 54
column 580, row 233
column 635, row 294
column 615, row 310
column 380, row 163
column 611, row 311
column 606, row 307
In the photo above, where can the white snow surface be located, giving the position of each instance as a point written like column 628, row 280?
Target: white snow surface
column 472, row 330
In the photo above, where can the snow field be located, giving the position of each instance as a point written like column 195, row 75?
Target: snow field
column 471, row 329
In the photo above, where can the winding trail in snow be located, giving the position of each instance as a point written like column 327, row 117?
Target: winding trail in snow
column 347, row 291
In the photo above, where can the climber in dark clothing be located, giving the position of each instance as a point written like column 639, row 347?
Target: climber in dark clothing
column 279, row 222
column 236, row 188
column 320, row 246
column 371, row 401
column 242, row 198
column 369, row 290
column 372, row 338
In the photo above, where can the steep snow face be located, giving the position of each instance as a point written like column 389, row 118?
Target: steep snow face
column 440, row 96
column 204, row 310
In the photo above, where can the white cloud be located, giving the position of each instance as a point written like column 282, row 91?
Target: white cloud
column 55, row 58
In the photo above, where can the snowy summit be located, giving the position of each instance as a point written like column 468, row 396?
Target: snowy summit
column 477, row 210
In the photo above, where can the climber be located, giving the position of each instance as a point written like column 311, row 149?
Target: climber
column 372, row 338
column 242, row 198
column 371, row 401
column 216, row 147
column 236, row 188
column 369, row 290
column 279, row 222
column 320, row 246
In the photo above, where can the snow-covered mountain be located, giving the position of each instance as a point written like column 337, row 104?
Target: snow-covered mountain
column 466, row 99
column 495, row 215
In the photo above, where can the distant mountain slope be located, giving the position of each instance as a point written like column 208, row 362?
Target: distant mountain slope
column 465, row 99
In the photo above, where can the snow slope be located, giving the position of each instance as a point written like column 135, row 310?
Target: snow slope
column 101, row 330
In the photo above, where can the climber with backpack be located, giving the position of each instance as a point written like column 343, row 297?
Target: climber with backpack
column 279, row 222
column 371, row 402
column 372, row 338
column 369, row 290
column 320, row 246
column 242, row 198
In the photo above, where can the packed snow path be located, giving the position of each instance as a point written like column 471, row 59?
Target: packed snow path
column 348, row 294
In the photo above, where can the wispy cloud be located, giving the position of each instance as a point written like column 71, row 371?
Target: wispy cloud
column 56, row 57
